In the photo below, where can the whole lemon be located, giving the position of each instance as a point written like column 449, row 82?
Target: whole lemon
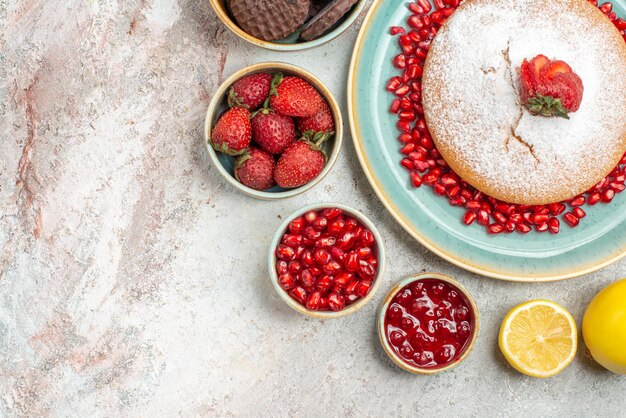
column 604, row 327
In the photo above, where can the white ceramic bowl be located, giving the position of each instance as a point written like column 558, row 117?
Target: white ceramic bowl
column 225, row 164
column 348, row 309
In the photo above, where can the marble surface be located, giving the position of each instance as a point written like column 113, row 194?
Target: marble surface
column 133, row 279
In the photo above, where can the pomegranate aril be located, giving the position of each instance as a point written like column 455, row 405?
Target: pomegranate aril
column 297, row 225
column 325, row 242
column 539, row 218
column 320, row 223
column 541, row 227
column 556, row 208
column 336, row 302
column 407, row 163
column 281, row 267
column 594, row 198
column 342, row 279
column 352, row 261
column 425, row 5
column 298, row 294
column 416, row 179
column 395, row 30
column 313, row 301
column 307, row 258
column 495, row 229
column 307, row 278
column 579, row 213
column 322, row 257
column 393, row 84
column 608, row 195
column 578, row 201
column 483, row 217
column 331, row 213
column 438, row 188
column 311, row 233
column 315, row 271
column 473, row 205
column 401, row 91
column 352, row 287
column 337, row 253
column 523, row 228
column 606, row 7
column 364, row 288
column 571, row 219
column 286, row 281
column 554, row 225
column 294, row 267
column 347, row 240
column 469, row 218
column 324, row 283
column 617, row 187
column 336, row 227
column 292, row 240
column 499, row 217
column 332, row 268
column 284, row 252
column 399, row 61
column 366, row 270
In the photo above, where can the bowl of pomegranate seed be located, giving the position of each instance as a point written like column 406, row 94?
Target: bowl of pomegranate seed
column 428, row 323
column 288, row 25
column 273, row 130
column 326, row 260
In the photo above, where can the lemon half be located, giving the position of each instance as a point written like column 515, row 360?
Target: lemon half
column 539, row 338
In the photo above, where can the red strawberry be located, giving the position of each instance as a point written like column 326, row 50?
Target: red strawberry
column 301, row 162
column 322, row 121
column 272, row 131
column 530, row 75
column 554, row 67
column 232, row 133
column 250, row 91
column 568, row 88
column 255, row 169
column 292, row 96
column 550, row 87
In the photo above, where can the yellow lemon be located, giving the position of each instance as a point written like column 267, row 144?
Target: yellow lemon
column 604, row 327
column 538, row 338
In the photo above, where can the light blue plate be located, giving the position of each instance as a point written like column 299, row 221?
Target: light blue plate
column 599, row 241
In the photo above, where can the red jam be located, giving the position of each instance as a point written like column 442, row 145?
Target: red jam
column 326, row 260
column 429, row 323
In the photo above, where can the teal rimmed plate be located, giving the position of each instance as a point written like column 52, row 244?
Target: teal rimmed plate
column 599, row 241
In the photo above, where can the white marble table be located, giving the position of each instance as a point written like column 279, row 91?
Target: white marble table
column 133, row 278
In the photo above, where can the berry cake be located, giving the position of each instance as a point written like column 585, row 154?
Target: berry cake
column 488, row 119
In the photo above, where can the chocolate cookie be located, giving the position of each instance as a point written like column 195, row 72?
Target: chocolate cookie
column 326, row 19
column 316, row 6
column 269, row 19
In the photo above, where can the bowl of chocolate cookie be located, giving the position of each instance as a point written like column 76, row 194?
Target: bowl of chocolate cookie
column 288, row 25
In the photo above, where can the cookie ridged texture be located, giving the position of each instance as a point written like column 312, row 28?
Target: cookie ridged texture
column 471, row 98
column 269, row 20
column 326, row 19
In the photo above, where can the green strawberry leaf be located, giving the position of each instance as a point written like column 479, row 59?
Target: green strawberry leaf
column 546, row 106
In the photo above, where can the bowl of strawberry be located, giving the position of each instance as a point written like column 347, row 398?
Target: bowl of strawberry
column 326, row 260
column 428, row 323
column 273, row 130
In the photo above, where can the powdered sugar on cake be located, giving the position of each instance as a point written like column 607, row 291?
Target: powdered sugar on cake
column 471, row 98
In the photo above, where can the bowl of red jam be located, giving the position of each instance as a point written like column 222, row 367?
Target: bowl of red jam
column 326, row 259
column 428, row 323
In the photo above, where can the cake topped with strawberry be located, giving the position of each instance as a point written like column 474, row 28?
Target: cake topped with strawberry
column 526, row 99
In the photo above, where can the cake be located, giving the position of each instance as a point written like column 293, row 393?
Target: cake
column 474, row 111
